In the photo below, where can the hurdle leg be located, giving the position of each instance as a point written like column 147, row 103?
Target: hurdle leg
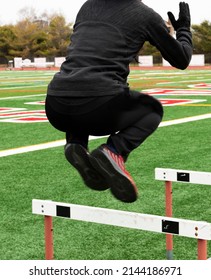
column 169, row 213
column 48, row 221
column 202, row 249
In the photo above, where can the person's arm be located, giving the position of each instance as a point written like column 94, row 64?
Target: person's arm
column 177, row 52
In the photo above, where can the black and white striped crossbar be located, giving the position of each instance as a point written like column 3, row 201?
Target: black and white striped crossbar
column 185, row 176
column 154, row 223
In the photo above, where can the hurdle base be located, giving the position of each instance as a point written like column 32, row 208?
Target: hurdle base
column 169, row 255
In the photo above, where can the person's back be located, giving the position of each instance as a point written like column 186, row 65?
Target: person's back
column 107, row 36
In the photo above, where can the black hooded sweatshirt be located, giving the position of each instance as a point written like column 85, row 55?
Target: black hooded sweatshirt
column 107, row 36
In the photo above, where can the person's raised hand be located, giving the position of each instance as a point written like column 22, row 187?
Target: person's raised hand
column 184, row 19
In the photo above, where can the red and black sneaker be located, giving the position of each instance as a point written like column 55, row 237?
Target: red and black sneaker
column 111, row 166
column 79, row 158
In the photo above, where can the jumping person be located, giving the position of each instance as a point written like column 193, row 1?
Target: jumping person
column 90, row 94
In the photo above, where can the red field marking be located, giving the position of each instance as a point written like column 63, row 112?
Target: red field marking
column 25, row 116
column 7, row 109
column 20, row 113
column 31, row 119
column 201, row 85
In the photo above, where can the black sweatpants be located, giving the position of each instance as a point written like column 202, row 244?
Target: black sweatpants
column 128, row 118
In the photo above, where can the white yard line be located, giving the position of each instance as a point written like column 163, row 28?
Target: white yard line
column 186, row 120
column 37, row 147
column 25, row 87
column 59, row 143
column 183, row 82
column 23, row 96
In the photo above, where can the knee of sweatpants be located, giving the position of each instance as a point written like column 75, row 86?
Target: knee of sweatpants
column 152, row 120
column 147, row 101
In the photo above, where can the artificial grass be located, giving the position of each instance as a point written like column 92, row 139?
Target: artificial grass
column 46, row 174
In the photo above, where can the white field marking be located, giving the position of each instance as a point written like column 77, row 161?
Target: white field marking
column 185, row 120
column 182, row 82
column 183, row 94
column 31, row 148
column 23, row 96
column 59, row 143
column 10, row 110
column 26, row 79
column 177, row 92
column 200, row 86
column 155, row 76
column 37, row 147
column 175, row 75
column 33, row 86
column 167, row 101
column 35, row 103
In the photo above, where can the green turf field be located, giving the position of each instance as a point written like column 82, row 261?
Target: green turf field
column 45, row 174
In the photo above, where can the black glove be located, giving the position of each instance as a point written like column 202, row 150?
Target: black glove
column 184, row 17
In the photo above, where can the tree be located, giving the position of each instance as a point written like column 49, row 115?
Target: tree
column 202, row 38
column 7, row 39
column 41, row 37
column 59, row 35
column 31, row 39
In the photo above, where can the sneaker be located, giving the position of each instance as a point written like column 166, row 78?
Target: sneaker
column 79, row 158
column 112, row 167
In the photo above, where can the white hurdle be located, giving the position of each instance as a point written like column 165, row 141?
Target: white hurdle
column 159, row 224
column 183, row 176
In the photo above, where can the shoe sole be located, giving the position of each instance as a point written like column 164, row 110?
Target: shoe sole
column 80, row 159
column 121, row 187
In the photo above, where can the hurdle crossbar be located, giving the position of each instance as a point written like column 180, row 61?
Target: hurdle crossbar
column 184, row 176
column 194, row 229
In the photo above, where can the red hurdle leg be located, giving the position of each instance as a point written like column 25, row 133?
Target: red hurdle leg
column 48, row 237
column 169, row 213
column 202, row 249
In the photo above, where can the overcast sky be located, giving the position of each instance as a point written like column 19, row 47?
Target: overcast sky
column 9, row 11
